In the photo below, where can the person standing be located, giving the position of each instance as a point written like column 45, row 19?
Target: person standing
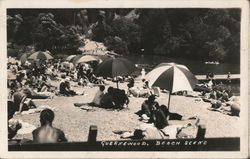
column 143, row 73
column 229, row 77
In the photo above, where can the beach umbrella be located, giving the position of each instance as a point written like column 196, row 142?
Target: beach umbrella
column 86, row 58
column 74, row 59
column 40, row 55
column 70, row 57
column 172, row 77
column 24, row 58
column 114, row 67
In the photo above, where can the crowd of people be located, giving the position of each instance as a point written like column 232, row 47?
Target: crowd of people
column 27, row 82
column 35, row 80
column 221, row 97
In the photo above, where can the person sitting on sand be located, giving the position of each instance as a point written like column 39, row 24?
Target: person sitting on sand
column 120, row 98
column 148, row 106
column 139, row 92
column 210, row 84
column 47, row 133
column 107, row 99
column 98, row 96
column 146, row 85
column 225, row 96
column 96, row 100
column 213, row 95
column 65, row 88
column 131, row 82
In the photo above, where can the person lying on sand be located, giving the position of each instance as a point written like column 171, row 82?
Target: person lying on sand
column 150, row 131
column 33, row 94
column 137, row 92
column 47, row 133
column 231, row 107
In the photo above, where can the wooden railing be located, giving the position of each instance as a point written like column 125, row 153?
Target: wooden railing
column 197, row 144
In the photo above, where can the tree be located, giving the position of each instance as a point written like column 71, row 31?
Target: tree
column 128, row 31
column 116, row 44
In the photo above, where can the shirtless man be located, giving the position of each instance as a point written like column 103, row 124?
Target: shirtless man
column 47, row 133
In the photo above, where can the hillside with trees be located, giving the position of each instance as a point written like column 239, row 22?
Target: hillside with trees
column 201, row 34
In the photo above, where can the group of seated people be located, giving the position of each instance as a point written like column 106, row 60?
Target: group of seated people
column 135, row 91
column 157, row 122
column 114, row 98
column 85, row 74
column 222, row 99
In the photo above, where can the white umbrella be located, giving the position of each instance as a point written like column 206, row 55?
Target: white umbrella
column 172, row 77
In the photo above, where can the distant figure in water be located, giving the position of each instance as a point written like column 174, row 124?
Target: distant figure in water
column 229, row 77
column 47, row 133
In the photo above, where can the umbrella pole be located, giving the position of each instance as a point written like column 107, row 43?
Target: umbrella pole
column 169, row 99
column 117, row 84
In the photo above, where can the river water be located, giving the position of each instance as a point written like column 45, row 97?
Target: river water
column 196, row 67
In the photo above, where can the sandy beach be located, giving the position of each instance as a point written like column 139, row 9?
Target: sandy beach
column 75, row 122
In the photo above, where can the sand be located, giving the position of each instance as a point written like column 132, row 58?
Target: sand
column 75, row 122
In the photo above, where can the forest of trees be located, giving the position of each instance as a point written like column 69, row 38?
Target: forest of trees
column 202, row 34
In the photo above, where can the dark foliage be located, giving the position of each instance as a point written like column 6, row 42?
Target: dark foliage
column 202, row 34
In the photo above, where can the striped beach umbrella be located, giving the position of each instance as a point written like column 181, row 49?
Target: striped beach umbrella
column 172, row 77
column 86, row 58
column 40, row 55
column 70, row 57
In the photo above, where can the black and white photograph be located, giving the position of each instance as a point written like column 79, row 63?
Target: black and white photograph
column 158, row 79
